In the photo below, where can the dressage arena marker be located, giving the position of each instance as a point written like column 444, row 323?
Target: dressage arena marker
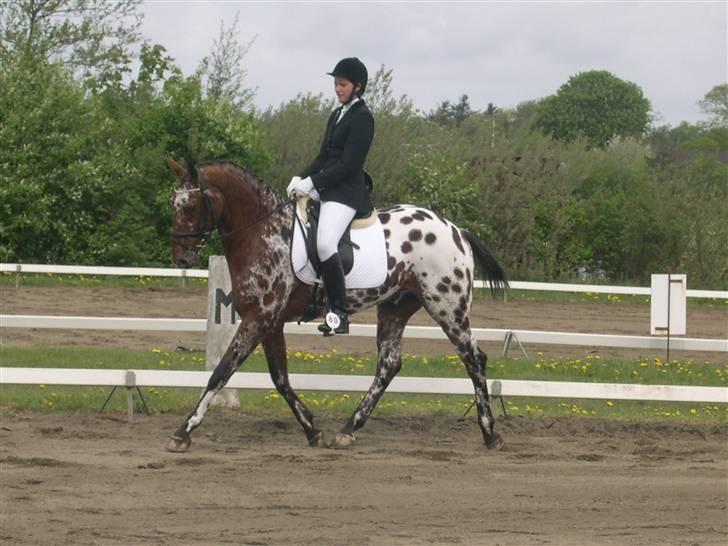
column 668, row 305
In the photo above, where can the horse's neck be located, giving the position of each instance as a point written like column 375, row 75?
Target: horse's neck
column 245, row 200
column 250, row 214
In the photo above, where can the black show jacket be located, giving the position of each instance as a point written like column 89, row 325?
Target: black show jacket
column 338, row 170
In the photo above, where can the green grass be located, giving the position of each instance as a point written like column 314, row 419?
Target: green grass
column 588, row 368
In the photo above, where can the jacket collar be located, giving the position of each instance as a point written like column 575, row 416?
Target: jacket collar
column 350, row 108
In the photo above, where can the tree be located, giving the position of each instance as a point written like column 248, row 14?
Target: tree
column 380, row 98
column 596, row 106
column 56, row 179
column 222, row 70
column 93, row 37
column 715, row 105
column 448, row 113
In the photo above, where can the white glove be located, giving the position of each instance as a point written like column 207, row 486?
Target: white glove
column 290, row 189
column 302, row 187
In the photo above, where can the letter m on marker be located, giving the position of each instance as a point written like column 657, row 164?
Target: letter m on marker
column 226, row 299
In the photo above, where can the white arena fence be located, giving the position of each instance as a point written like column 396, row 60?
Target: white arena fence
column 161, row 378
column 369, row 330
column 203, row 273
column 361, row 383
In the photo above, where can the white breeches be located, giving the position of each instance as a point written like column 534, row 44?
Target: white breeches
column 333, row 221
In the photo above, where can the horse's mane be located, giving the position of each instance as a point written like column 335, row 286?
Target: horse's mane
column 260, row 185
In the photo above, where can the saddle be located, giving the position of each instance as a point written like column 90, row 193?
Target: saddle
column 309, row 212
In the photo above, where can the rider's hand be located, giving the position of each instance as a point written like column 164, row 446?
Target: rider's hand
column 302, row 187
column 290, row 190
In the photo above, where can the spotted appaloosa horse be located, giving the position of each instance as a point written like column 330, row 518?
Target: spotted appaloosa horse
column 430, row 264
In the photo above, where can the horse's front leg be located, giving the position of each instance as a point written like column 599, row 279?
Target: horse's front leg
column 243, row 343
column 274, row 345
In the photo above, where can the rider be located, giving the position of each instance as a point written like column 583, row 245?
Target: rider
column 336, row 177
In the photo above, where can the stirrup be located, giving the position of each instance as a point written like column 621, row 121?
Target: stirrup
column 324, row 329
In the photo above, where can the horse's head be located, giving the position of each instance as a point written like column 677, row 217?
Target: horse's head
column 195, row 213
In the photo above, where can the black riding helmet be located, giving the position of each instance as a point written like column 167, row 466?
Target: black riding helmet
column 353, row 70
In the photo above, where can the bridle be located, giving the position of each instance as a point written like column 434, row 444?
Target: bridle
column 207, row 210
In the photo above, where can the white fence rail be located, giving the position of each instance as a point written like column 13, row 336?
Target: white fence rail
column 202, row 273
column 353, row 383
column 369, row 330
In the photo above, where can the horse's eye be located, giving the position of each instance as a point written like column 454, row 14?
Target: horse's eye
column 189, row 210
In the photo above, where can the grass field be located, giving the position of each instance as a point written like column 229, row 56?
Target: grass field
column 589, row 368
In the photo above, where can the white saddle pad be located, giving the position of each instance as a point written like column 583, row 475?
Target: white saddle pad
column 370, row 259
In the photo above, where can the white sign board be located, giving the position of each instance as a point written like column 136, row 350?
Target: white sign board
column 222, row 321
column 668, row 303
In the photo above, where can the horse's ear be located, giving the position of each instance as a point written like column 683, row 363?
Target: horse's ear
column 192, row 169
column 176, row 168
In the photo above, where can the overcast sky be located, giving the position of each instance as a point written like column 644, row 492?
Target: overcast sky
column 497, row 52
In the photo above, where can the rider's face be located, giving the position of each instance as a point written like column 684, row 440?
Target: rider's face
column 344, row 89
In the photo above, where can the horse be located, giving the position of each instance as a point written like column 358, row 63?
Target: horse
column 430, row 264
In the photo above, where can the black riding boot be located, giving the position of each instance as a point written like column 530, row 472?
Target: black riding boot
column 337, row 321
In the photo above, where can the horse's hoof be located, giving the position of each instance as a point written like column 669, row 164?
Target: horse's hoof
column 343, row 440
column 178, row 445
column 494, row 441
column 319, row 440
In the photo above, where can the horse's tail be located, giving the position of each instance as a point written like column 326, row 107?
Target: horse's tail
column 494, row 273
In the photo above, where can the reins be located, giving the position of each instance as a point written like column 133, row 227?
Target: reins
column 259, row 218
column 207, row 210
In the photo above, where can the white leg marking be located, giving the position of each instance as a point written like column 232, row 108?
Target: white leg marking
column 196, row 418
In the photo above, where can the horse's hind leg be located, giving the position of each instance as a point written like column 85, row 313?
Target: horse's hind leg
column 453, row 319
column 392, row 317
column 242, row 344
column 475, row 361
column 274, row 345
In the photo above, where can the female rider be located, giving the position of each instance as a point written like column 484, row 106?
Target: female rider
column 336, row 177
